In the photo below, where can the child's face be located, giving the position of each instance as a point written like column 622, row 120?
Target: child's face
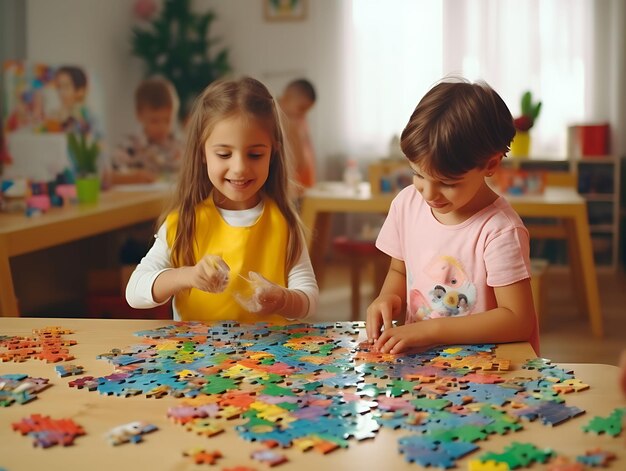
column 68, row 95
column 452, row 200
column 296, row 105
column 156, row 122
column 238, row 155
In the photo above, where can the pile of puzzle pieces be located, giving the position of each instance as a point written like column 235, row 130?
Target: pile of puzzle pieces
column 47, row 432
column 20, row 388
column 45, row 344
column 311, row 386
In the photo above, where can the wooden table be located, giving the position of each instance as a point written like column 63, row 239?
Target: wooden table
column 321, row 202
column 20, row 234
column 163, row 449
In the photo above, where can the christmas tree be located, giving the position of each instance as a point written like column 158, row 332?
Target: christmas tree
column 177, row 45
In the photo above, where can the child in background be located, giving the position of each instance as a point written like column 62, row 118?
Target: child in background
column 156, row 153
column 296, row 101
column 73, row 115
column 460, row 254
column 232, row 226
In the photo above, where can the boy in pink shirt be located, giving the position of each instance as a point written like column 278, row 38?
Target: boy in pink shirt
column 460, row 253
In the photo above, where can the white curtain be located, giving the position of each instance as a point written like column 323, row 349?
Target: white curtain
column 394, row 51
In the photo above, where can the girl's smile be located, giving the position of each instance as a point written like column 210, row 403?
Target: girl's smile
column 238, row 154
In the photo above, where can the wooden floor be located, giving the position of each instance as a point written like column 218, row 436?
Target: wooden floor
column 565, row 332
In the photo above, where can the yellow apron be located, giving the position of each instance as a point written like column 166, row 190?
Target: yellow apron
column 261, row 247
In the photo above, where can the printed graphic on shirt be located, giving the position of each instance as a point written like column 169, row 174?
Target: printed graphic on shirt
column 452, row 293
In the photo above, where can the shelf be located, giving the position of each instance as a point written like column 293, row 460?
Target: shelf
column 598, row 182
column 600, row 159
column 599, row 198
column 602, row 228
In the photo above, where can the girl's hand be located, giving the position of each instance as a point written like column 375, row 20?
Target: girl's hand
column 413, row 337
column 380, row 314
column 210, row 274
column 267, row 297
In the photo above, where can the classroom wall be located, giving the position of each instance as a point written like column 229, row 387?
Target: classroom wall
column 274, row 52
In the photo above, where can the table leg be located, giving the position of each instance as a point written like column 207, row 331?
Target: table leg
column 317, row 226
column 576, row 268
column 588, row 272
column 319, row 245
column 8, row 302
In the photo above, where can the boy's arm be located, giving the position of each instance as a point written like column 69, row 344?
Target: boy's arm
column 513, row 320
column 389, row 304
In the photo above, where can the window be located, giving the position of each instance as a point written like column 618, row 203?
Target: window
column 394, row 51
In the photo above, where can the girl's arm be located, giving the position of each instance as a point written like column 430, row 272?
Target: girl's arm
column 301, row 281
column 295, row 301
column 389, row 303
column 157, row 260
column 154, row 281
column 513, row 320
column 210, row 274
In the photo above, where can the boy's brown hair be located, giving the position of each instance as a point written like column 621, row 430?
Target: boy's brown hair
column 456, row 127
column 156, row 93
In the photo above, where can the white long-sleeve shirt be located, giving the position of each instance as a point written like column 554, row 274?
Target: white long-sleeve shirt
column 157, row 260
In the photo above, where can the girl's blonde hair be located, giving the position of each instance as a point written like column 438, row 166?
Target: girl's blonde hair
column 221, row 100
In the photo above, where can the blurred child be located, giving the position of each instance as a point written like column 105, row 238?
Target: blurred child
column 156, row 152
column 232, row 247
column 71, row 85
column 296, row 101
column 460, row 265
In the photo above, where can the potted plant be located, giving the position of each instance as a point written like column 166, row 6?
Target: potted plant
column 520, row 146
column 84, row 153
column 177, row 44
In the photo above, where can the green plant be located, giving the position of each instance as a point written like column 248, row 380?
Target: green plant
column 177, row 45
column 530, row 112
column 84, row 153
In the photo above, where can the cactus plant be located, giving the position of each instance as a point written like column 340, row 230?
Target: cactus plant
column 530, row 112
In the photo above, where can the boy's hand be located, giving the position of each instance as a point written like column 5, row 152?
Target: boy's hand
column 210, row 274
column 380, row 314
column 413, row 337
column 267, row 297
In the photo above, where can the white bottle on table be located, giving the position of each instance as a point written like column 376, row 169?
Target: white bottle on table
column 352, row 175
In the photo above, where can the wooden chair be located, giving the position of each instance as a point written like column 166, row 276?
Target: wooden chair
column 552, row 230
column 359, row 253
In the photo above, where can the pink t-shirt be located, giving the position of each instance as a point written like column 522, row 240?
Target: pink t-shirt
column 451, row 270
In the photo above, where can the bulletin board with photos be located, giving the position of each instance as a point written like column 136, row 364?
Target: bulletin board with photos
column 41, row 104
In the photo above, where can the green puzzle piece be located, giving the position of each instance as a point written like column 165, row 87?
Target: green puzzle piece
column 217, row 384
column 425, row 403
column 519, row 455
column 611, row 425
column 272, row 389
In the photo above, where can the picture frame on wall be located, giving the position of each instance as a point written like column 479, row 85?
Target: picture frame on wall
column 285, row 10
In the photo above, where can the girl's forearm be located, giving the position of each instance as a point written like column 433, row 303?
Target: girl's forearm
column 169, row 283
column 296, row 304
